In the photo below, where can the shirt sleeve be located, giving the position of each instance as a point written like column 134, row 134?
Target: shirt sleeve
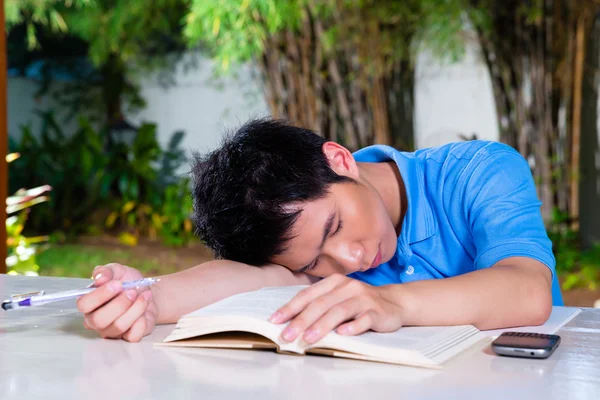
column 503, row 211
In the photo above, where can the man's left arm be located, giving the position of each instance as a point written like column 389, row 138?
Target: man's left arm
column 514, row 264
column 514, row 292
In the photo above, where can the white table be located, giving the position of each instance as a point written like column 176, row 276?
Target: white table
column 45, row 353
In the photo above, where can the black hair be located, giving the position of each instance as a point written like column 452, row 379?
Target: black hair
column 240, row 191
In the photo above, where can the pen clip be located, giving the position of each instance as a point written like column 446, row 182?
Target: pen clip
column 17, row 297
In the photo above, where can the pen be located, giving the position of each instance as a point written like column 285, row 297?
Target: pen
column 42, row 299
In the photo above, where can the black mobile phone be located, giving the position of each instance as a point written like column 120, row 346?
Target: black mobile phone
column 525, row 344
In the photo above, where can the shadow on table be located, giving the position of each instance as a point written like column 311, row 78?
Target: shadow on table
column 254, row 371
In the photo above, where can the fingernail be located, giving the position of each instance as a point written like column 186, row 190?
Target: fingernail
column 147, row 295
column 131, row 294
column 289, row 334
column 276, row 317
column 311, row 336
column 114, row 286
column 97, row 277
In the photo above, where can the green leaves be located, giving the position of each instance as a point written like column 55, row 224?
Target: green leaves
column 112, row 27
column 85, row 177
column 48, row 13
column 443, row 28
column 575, row 266
column 236, row 31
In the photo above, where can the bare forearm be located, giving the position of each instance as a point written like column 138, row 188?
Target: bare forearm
column 497, row 297
column 183, row 292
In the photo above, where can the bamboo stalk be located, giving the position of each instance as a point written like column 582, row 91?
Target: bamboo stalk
column 380, row 118
column 343, row 106
column 565, row 75
column 267, row 85
column 291, row 74
column 306, row 87
column 521, row 120
column 576, row 126
column 545, row 124
column 317, row 78
column 501, row 98
column 333, row 123
column 274, row 69
column 356, row 84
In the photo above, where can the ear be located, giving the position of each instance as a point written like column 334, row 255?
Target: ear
column 340, row 160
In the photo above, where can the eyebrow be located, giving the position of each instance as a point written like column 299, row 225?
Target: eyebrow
column 326, row 232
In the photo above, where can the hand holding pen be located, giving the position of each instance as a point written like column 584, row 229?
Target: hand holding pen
column 119, row 304
column 40, row 298
column 117, row 313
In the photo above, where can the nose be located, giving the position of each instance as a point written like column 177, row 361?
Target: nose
column 350, row 256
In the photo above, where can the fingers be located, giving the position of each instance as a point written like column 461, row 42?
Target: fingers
column 104, row 316
column 91, row 301
column 138, row 330
column 126, row 321
column 360, row 325
column 339, row 313
column 314, row 312
column 115, row 313
column 306, row 296
column 102, row 275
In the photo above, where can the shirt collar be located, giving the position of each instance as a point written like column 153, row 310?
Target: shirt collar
column 419, row 223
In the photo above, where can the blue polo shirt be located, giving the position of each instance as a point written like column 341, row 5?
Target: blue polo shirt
column 470, row 205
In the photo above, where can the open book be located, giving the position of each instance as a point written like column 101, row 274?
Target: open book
column 240, row 322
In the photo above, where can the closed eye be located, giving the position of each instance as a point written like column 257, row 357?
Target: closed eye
column 313, row 264
column 310, row 266
column 339, row 227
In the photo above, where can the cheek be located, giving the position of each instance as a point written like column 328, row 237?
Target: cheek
column 389, row 244
column 386, row 233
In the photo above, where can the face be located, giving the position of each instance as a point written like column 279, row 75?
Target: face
column 348, row 230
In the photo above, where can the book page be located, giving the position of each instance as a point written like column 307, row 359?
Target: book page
column 410, row 338
column 424, row 346
column 258, row 304
column 244, row 312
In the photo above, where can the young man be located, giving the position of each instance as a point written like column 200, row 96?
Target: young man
column 447, row 235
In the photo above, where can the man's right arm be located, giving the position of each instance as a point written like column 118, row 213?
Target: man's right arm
column 188, row 290
column 131, row 315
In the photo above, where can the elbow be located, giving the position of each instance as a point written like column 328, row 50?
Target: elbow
column 536, row 294
column 540, row 302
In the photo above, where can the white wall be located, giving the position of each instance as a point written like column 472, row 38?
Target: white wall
column 22, row 104
column 451, row 99
column 200, row 104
